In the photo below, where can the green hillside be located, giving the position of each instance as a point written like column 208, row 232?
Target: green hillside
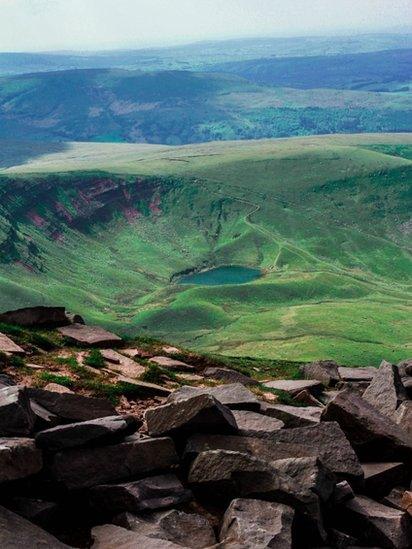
column 180, row 107
column 105, row 229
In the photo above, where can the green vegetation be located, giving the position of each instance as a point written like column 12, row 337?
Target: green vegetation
column 49, row 377
column 104, row 230
column 95, row 359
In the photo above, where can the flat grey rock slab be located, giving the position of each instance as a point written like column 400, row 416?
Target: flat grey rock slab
column 325, row 371
column 121, row 364
column 295, row 386
column 7, row 345
column 171, row 363
column 145, row 388
column 293, row 416
column 226, row 375
column 19, row 458
column 357, row 374
column 32, row 317
column 235, row 396
column 381, row 478
column 17, row 532
column 92, row 336
column 109, row 536
column 252, row 424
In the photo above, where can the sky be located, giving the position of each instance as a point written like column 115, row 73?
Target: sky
column 49, row 25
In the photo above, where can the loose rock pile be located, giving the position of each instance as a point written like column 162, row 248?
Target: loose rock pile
column 212, row 466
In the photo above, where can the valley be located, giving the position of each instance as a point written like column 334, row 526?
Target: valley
column 105, row 228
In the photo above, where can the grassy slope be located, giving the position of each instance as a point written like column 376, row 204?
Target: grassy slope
column 326, row 218
column 175, row 107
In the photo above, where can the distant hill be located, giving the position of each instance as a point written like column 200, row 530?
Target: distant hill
column 180, row 107
column 107, row 228
column 375, row 71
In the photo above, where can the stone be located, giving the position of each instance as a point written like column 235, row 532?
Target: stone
column 381, row 478
column 370, row 433
column 170, row 350
column 187, row 530
column 56, row 388
column 122, row 364
column 8, row 346
column 356, row 374
column 135, row 353
column 71, row 407
column 305, row 398
column 90, row 336
column 107, row 430
column 342, row 492
column 146, row 389
column 6, row 381
column 109, row 536
column 43, row 418
column 41, row 512
column 19, row 458
column 403, row 417
column 295, row 386
column 137, row 456
column 293, row 416
column 405, row 367
column 171, row 364
column 201, row 413
column 407, row 383
column 226, row 375
column 386, row 391
column 394, row 498
column 376, row 524
column 251, row 424
column 147, row 494
column 406, row 502
column 17, row 532
column 325, row 371
column 340, row 540
column 257, row 523
column 235, row 396
column 36, row 317
column 16, row 416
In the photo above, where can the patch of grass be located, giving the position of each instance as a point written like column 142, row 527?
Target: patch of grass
column 45, row 343
column 50, row 377
column 16, row 361
column 95, row 359
column 156, row 374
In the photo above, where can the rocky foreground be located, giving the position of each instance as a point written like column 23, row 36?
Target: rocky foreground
column 221, row 461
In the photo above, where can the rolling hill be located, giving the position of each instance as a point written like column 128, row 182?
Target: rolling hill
column 107, row 228
column 181, row 107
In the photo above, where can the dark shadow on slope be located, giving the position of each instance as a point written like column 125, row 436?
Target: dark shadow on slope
column 14, row 153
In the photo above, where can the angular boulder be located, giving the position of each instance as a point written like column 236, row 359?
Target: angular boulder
column 381, row 478
column 107, row 430
column 235, row 396
column 187, row 530
column 256, row 523
column 19, row 458
column 85, row 467
column 356, row 374
column 386, row 391
column 226, row 375
column 293, row 416
column 251, row 424
column 17, row 532
column 403, row 417
column 147, row 494
column 109, row 536
column 305, row 398
column 16, row 416
column 70, row 407
column 89, row 336
column 295, row 386
column 325, row 371
column 376, row 524
column 8, row 346
column 171, row 364
column 201, row 413
column 121, row 364
column 370, row 433
column 37, row 317
column 405, row 367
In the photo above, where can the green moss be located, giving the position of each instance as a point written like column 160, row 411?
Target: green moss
column 50, row 377
column 95, row 359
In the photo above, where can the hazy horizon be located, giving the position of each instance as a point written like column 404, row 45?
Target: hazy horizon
column 98, row 25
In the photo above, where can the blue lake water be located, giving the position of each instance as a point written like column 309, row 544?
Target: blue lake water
column 230, row 274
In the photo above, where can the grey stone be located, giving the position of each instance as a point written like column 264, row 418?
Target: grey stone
column 342, row 492
column 109, row 536
column 405, row 367
column 147, row 494
column 226, row 375
column 90, row 336
column 71, row 407
column 258, row 524
column 370, row 433
column 357, row 374
column 121, row 364
column 144, row 388
column 94, row 432
column 325, row 371
column 19, row 458
column 251, row 424
column 85, row 467
column 305, row 398
column 381, row 478
column 8, row 346
column 201, row 413
column 293, row 416
column 374, row 523
column 36, row 317
column 394, row 498
column 16, row 416
column 234, row 396
column 295, row 386
column 17, row 532
column 403, row 417
column 41, row 512
column 386, row 390
column 171, row 364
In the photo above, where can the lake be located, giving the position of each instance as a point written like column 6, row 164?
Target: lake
column 230, row 274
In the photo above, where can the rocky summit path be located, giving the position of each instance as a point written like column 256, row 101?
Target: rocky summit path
column 186, row 453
